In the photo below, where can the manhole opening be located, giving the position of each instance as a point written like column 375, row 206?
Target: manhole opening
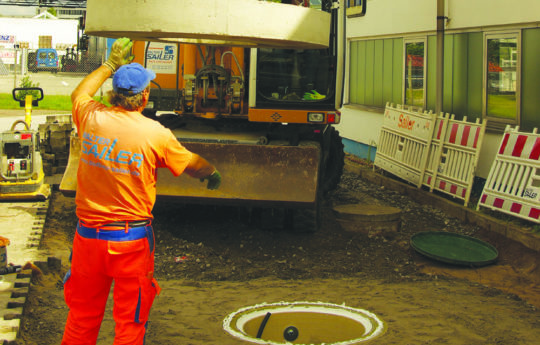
column 303, row 323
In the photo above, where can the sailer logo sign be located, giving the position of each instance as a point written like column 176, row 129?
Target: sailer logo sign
column 405, row 122
column 161, row 58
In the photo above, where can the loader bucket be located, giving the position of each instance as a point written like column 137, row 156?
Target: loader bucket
column 255, row 175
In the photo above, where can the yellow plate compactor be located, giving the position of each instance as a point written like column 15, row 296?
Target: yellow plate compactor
column 21, row 169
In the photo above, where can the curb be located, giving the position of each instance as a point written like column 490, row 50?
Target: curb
column 508, row 229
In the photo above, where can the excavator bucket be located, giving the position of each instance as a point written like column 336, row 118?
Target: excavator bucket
column 254, row 175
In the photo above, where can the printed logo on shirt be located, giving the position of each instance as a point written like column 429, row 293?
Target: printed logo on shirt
column 102, row 150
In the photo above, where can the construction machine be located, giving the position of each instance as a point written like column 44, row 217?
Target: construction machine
column 260, row 108
column 21, row 169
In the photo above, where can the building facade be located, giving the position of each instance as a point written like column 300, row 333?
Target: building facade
column 489, row 70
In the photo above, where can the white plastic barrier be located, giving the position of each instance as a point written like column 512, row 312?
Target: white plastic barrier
column 513, row 183
column 404, row 142
column 454, row 156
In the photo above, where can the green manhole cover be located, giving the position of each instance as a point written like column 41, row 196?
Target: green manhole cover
column 454, row 248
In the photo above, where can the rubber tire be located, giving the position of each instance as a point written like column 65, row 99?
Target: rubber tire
column 333, row 167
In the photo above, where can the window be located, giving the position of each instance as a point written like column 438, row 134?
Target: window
column 502, row 79
column 414, row 86
column 356, row 8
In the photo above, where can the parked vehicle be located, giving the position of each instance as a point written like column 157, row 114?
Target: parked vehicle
column 46, row 60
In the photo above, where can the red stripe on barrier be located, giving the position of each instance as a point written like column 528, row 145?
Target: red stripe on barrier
column 463, row 193
column 442, row 184
column 520, row 143
column 535, row 213
column 498, row 202
column 484, row 197
column 440, row 130
column 429, row 180
column 476, row 137
column 516, row 208
column 453, row 133
column 465, row 135
column 453, row 189
column 535, row 152
column 504, row 143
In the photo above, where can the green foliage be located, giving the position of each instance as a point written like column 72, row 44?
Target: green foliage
column 27, row 82
column 50, row 102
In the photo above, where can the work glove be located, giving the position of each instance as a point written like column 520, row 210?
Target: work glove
column 313, row 95
column 120, row 54
column 214, row 180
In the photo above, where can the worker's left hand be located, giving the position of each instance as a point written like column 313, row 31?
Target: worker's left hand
column 120, row 54
column 214, row 180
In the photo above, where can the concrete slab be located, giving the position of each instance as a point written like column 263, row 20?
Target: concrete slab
column 371, row 219
column 235, row 22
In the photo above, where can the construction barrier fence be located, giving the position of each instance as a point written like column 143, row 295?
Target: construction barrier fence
column 513, row 183
column 454, row 156
column 422, row 148
column 404, row 142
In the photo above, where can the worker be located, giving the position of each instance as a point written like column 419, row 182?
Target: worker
column 116, row 190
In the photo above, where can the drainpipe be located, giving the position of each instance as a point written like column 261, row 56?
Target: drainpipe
column 440, row 57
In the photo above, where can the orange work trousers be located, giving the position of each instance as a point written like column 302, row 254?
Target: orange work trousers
column 99, row 258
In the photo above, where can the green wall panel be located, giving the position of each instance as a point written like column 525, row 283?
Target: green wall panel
column 388, row 71
column 353, row 73
column 398, row 71
column 431, row 73
column 378, row 73
column 447, row 105
column 475, row 75
column 361, row 61
column 370, row 55
column 530, row 79
column 459, row 75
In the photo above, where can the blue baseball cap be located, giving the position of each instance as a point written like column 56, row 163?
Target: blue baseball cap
column 132, row 79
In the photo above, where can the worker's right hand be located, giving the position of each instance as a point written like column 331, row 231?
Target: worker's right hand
column 120, row 54
column 214, row 180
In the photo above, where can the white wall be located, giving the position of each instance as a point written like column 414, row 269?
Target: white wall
column 406, row 17
column 385, row 17
column 63, row 31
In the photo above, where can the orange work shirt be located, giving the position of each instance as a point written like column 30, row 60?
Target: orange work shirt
column 120, row 153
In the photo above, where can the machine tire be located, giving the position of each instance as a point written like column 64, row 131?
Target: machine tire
column 333, row 167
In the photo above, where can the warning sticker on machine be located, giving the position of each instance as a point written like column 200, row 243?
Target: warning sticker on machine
column 161, row 57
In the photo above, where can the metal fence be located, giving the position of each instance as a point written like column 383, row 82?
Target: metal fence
column 22, row 61
column 18, row 66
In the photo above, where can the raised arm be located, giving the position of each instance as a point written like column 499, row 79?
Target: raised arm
column 120, row 55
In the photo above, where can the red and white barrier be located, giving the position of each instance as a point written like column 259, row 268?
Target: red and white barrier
column 454, row 156
column 513, row 183
column 404, row 142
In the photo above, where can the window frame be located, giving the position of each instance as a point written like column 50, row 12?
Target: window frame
column 355, row 8
column 493, row 122
column 407, row 40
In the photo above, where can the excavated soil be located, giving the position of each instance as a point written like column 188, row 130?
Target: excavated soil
column 212, row 261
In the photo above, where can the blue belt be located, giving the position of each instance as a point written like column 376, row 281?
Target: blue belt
column 134, row 233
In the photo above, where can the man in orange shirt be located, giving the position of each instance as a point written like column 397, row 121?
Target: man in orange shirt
column 116, row 190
